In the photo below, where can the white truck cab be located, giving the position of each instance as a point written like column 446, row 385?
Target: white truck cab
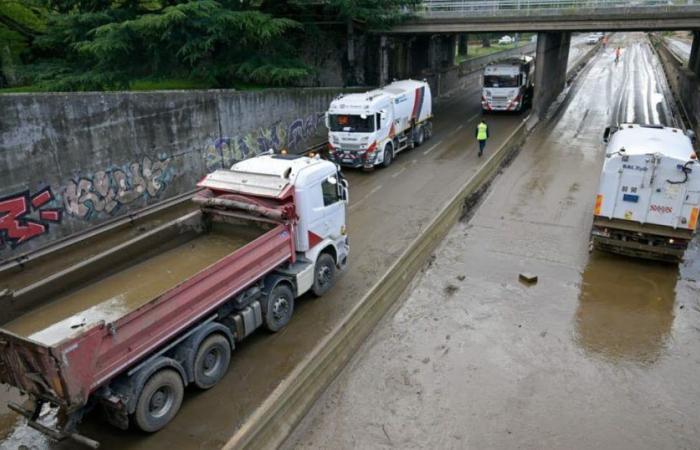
column 648, row 200
column 508, row 84
column 371, row 128
column 319, row 192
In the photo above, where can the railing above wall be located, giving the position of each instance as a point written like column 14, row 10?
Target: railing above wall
column 497, row 8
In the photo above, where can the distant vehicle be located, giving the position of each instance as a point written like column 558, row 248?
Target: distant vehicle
column 648, row 199
column 592, row 39
column 506, row 40
column 508, row 84
column 370, row 129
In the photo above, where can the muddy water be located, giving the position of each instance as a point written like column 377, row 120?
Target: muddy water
column 29, row 273
column 625, row 310
column 117, row 295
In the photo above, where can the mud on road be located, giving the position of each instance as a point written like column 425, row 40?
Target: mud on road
column 601, row 353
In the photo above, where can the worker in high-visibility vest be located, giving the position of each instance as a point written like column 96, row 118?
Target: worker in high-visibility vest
column 482, row 134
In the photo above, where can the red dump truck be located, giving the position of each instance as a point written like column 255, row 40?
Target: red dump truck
column 170, row 307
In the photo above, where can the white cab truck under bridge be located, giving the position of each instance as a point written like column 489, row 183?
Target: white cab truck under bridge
column 370, row 129
column 508, row 84
column 649, row 195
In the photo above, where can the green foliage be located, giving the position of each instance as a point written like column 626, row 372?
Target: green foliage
column 107, row 44
column 377, row 14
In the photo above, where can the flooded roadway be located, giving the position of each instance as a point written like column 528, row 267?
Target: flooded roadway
column 388, row 208
column 601, row 353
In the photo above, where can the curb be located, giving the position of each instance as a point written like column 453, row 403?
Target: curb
column 274, row 420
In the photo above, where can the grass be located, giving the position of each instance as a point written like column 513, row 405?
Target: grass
column 20, row 90
column 477, row 51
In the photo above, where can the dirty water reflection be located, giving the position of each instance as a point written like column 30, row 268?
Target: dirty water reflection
column 625, row 310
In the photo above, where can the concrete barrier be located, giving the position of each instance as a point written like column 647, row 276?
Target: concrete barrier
column 274, row 420
column 70, row 162
column 683, row 82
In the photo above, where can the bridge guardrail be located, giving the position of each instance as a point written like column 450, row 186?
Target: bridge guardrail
column 444, row 8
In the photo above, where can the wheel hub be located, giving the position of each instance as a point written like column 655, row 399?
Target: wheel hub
column 280, row 308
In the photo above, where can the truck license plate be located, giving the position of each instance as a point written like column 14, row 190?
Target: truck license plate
column 347, row 160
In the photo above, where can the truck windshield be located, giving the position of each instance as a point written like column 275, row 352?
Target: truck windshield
column 352, row 123
column 500, row 81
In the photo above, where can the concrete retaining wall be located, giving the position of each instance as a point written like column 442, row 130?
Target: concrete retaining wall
column 683, row 83
column 69, row 162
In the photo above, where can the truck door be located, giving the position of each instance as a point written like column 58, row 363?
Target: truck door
column 327, row 210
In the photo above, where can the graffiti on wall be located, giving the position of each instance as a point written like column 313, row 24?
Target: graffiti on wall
column 24, row 216
column 225, row 151
column 107, row 190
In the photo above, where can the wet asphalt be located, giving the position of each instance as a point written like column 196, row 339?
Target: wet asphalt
column 601, row 353
column 388, row 208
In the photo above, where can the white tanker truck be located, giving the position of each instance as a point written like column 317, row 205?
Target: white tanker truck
column 370, row 129
column 648, row 200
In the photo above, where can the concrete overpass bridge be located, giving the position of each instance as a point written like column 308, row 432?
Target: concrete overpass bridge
column 551, row 15
column 429, row 39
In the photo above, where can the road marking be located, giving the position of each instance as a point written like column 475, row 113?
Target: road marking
column 374, row 189
column 474, row 117
column 456, row 130
column 432, row 148
column 398, row 172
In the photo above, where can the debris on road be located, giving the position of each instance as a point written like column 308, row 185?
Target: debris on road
column 528, row 278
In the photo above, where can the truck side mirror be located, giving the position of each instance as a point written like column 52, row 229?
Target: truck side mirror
column 606, row 135
column 327, row 121
column 344, row 192
column 691, row 135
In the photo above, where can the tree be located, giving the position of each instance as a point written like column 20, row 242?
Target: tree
column 106, row 44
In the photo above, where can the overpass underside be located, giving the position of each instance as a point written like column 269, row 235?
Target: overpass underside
column 460, row 19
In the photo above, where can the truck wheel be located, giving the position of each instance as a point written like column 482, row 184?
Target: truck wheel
column 279, row 308
column 324, row 274
column 212, row 361
column 159, row 401
column 420, row 136
column 388, row 156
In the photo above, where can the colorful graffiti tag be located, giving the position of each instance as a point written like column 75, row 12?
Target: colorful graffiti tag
column 225, row 151
column 24, row 216
column 106, row 191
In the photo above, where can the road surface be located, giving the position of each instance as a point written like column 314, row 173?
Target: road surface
column 388, row 208
column 601, row 353
column 679, row 47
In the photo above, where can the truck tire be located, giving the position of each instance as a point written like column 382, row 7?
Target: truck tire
column 279, row 307
column 420, row 136
column 212, row 361
column 159, row 400
column 388, row 156
column 324, row 274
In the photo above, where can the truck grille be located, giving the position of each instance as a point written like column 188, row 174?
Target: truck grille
column 351, row 146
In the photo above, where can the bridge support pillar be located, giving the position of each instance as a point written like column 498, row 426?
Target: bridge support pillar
column 694, row 60
column 383, row 60
column 550, row 68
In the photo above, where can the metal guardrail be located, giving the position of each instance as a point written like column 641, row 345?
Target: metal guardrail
column 443, row 8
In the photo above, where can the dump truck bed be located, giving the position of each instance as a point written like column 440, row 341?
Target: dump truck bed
column 64, row 349
column 115, row 296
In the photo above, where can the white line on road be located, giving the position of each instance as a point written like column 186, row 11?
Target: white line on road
column 474, row 117
column 398, row 172
column 375, row 189
column 456, row 130
column 432, row 148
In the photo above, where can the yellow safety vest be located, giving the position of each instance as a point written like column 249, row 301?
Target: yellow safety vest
column 482, row 132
